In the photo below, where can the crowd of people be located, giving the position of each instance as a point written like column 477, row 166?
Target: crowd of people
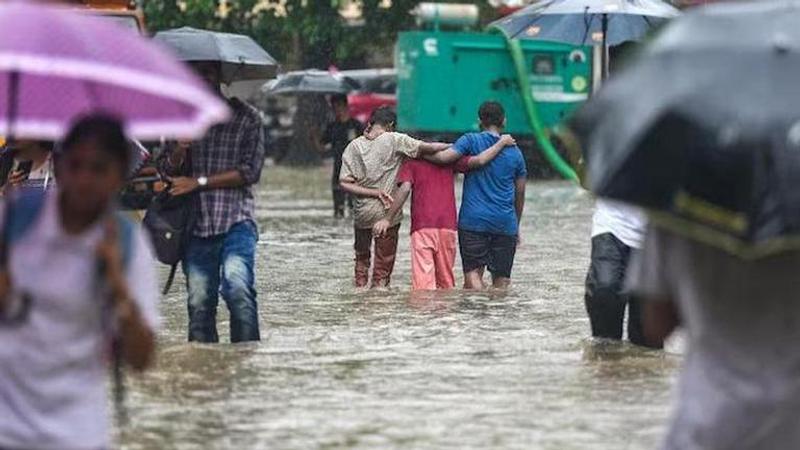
column 737, row 391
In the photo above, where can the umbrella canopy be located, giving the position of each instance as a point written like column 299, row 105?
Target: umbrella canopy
column 241, row 58
column 56, row 65
column 704, row 128
column 580, row 22
column 311, row 82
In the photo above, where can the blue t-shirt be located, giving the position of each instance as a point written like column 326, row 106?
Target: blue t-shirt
column 487, row 205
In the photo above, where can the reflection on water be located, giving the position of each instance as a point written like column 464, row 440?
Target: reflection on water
column 343, row 369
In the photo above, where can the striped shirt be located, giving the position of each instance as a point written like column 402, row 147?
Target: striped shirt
column 235, row 145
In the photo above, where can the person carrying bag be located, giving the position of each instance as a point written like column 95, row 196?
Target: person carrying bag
column 170, row 220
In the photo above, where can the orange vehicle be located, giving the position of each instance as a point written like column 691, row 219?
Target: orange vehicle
column 137, row 193
column 125, row 12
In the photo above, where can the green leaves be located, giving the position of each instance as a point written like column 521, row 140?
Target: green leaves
column 299, row 33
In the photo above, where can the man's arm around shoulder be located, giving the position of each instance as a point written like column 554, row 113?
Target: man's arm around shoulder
column 486, row 156
column 450, row 154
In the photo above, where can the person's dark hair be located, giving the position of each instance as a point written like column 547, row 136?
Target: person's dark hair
column 492, row 114
column 383, row 116
column 106, row 132
column 47, row 146
column 338, row 99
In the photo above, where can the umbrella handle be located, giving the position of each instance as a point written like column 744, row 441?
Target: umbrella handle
column 13, row 105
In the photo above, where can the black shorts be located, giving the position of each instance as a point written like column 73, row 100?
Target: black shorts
column 493, row 251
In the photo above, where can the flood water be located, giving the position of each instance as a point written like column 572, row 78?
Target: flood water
column 389, row 370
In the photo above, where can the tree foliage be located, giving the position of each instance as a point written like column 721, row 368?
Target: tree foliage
column 300, row 33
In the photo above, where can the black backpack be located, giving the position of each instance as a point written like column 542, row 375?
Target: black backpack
column 170, row 221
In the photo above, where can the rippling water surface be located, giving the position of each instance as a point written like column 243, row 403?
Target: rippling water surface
column 382, row 370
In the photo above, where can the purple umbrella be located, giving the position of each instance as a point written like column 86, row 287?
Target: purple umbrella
column 58, row 64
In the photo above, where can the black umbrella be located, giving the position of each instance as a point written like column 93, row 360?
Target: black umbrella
column 704, row 128
column 311, row 82
column 587, row 22
column 240, row 56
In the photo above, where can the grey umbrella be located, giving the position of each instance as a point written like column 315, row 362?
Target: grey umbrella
column 587, row 22
column 311, row 82
column 240, row 56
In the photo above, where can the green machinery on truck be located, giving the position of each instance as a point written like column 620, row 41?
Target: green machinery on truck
column 444, row 76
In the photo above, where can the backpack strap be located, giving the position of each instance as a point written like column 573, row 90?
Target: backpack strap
column 126, row 228
column 170, row 279
column 21, row 212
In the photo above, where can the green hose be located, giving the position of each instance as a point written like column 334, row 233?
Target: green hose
column 545, row 146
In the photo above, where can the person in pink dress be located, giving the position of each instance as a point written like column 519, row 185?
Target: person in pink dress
column 433, row 213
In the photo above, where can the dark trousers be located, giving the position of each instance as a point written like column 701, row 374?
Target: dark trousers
column 222, row 264
column 385, row 254
column 341, row 199
column 605, row 294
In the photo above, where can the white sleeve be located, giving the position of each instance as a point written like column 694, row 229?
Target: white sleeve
column 648, row 273
column 142, row 280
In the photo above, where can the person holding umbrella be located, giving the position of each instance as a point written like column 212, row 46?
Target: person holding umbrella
column 221, row 170
column 56, row 330
column 76, row 279
column 713, row 153
column 617, row 233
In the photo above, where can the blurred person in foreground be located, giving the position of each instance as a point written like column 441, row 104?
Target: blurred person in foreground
column 739, row 386
column 29, row 164
column 369, row 172
column 74, row 275
column 220, row 256
column 338, row 133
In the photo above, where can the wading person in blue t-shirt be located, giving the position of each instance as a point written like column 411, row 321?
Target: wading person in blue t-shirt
column 492, row 203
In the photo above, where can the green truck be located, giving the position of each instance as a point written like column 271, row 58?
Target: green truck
column 444, row 76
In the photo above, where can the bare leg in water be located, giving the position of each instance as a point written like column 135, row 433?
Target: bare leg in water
column 474, row 280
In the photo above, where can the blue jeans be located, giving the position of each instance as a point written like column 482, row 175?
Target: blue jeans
column 223, row 261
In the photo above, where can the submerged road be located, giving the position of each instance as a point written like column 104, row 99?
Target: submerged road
column 392, row 370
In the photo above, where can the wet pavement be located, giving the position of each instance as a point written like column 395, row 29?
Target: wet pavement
column 383, row 370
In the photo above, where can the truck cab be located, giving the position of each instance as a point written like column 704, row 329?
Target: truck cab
column 124, row 12
column 145, row 182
